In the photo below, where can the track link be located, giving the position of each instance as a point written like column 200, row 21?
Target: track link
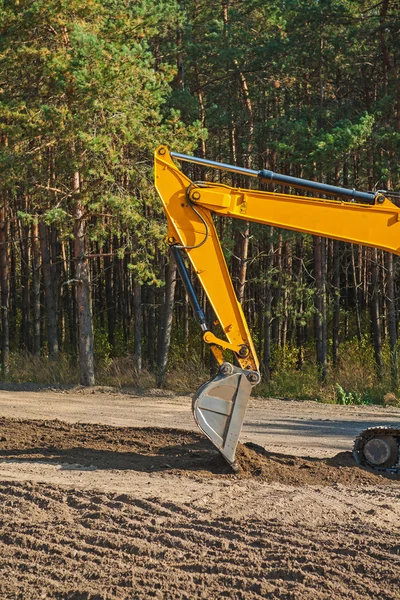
column 373, row 433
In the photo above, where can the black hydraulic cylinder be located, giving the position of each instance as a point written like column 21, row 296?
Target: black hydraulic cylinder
column 194, row 301
column 295, row 182
column 315, row 186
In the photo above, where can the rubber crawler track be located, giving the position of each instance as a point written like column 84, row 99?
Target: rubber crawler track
column 368, row 434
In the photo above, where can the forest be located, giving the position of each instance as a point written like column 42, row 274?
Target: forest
column 89, row 89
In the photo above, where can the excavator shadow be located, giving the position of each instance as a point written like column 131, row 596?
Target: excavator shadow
column 89, row 446
column 200, row 457
column 318, row 428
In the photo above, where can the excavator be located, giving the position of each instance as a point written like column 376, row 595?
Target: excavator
column 368, row 218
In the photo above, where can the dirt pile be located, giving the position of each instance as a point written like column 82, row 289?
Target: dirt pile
column 167, row 450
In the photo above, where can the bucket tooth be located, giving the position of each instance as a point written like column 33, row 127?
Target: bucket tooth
column 219, row 408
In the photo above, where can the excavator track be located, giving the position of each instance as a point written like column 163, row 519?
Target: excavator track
column 378, row 448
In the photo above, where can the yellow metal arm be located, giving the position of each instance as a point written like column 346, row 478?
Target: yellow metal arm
column 189, row 207
column 195, row 231
column 376, row 225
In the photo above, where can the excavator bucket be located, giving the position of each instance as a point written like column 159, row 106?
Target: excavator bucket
column 219, row 407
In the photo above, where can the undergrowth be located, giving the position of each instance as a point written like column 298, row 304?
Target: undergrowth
column 354, row 381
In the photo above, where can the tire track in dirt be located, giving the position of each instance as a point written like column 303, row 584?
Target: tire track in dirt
column 80, row 545
column 231, row 537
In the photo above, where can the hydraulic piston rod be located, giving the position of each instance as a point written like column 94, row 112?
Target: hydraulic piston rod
column 197, row 310
column 295, row 182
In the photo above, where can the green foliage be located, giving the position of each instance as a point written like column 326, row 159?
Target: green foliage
column 81, row 93
column 353, row 382
column 346, row 398
column 344, row 138
column 292, row 384
column 102, row 346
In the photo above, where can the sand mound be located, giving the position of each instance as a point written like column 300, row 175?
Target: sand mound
column 168, row 450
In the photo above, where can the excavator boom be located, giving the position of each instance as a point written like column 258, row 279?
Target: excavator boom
column 367, row 218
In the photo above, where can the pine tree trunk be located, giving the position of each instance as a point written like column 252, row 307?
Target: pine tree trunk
column 346, row 298
column 4, row 281
column 56, row 270
column 25, row 334
column 69, row 300
column 124, row 300
column 151, row 325
column 298, row 274
column 161, row 302
column 100, row 286
column 50, row 299
column 73, row 334
column 166, row 327
column 287, row 262
column 268, row 306
column 375, row 320
column 137, row 332
column 12, row 295
column 108, row 272
column 186, row 323
column 277, row 295
column 243, row 258
column 336, row 303
column 36, row 288
column 86, row 352
column 320, row 305
column 392, row 324
column 356, row 294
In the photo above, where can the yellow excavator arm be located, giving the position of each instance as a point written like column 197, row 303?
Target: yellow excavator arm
column 367, row 218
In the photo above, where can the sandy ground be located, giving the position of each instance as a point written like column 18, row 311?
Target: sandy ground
column 299, row 428
column 121, row 498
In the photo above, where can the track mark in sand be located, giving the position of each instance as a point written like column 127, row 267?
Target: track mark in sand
column 60, row 543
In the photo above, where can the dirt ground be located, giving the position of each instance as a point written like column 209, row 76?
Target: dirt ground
column 114, row 496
